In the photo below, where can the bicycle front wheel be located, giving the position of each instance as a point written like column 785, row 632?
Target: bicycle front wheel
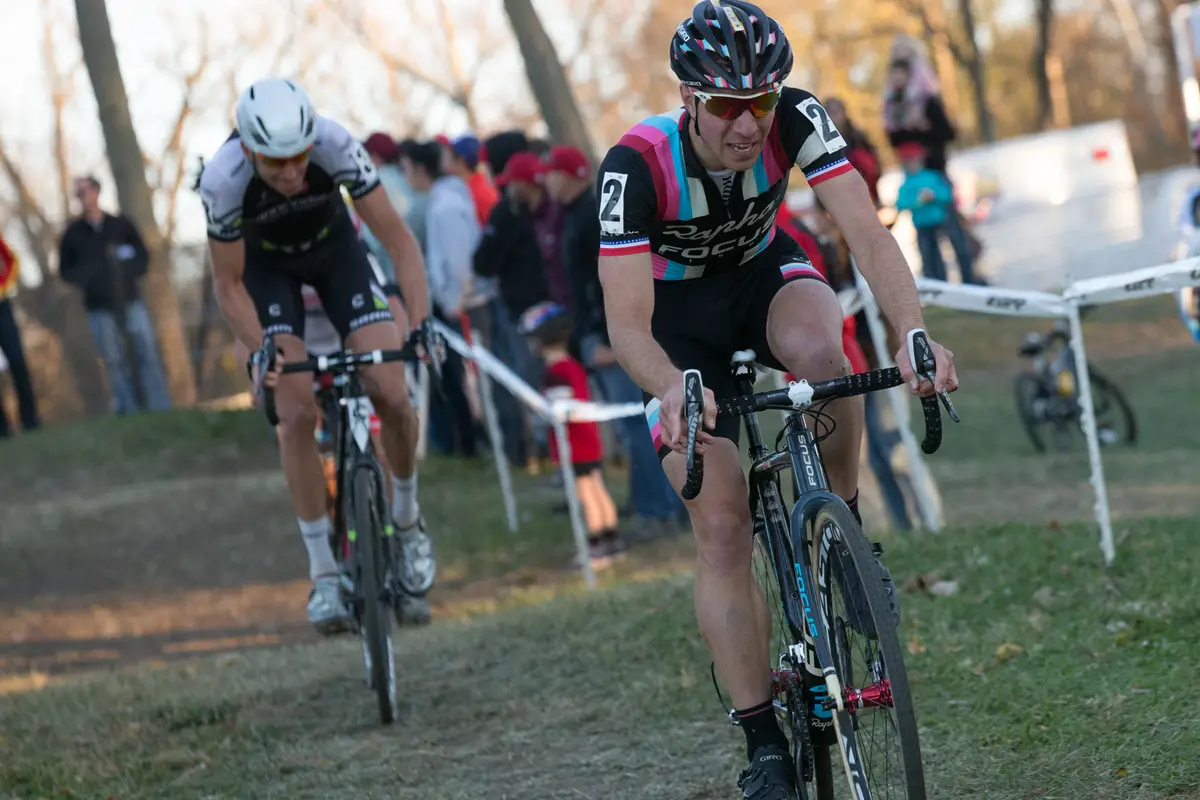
column 880, row 748
column 373, row 594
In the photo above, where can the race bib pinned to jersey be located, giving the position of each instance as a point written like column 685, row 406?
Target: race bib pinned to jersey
column 612, row 202
column 827, row 133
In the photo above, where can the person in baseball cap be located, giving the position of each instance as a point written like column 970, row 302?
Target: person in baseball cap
column 382, row 148
column 465, row 164
column 522, row 168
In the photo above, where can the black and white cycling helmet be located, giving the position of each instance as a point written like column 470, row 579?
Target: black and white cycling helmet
column 730, row 44
column 275, row 118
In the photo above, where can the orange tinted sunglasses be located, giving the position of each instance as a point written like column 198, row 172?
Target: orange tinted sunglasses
column 725, row 106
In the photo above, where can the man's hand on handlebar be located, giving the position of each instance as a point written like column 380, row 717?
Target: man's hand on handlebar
column 264, row 375
column 913, row 373
column 672, row 419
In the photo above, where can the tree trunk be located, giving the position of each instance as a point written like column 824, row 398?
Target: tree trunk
column 133, row 190
column 1041, row 54
column 943, row 58
column 1176, row 123
column 983, row 114
column 547, row 78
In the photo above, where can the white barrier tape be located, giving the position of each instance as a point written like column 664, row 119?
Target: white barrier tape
column 496, row 369
column 989, row 300
column 582, row 411
column 1139, row 283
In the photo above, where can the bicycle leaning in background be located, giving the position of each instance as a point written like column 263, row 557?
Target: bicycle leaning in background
column 1047, row 396
column 362, row 533
column 827, row 587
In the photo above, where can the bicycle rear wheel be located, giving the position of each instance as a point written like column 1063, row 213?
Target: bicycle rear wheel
column 375, row 628
column 880, row 748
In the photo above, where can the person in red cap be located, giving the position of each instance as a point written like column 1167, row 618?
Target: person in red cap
column 523, row 178
column 928, row 197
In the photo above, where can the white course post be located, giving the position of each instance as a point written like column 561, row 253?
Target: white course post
column 1107, row 546
column 559, row 422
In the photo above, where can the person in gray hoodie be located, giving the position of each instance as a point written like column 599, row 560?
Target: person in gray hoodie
column 451, row 236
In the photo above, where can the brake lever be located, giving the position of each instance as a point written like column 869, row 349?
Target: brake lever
column 922, row 356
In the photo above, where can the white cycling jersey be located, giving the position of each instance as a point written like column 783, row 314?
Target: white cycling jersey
column 236, row 204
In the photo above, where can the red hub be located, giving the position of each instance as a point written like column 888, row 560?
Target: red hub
column 877, row 695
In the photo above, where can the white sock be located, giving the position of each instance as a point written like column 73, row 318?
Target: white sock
column 405, row 511
column 316, row 541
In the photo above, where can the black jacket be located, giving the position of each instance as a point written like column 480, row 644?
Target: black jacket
column 107, row 262
column 935, row 140
column 581, row 258
column 508, row 250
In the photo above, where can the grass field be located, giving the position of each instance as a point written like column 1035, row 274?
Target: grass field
column 153, row 643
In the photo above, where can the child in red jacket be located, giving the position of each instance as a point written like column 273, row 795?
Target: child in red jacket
column 549, row 328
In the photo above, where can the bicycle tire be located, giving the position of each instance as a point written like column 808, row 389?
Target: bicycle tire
column 841, row 543
column 375, row 630
column 1102, row 386
column 1027, row 386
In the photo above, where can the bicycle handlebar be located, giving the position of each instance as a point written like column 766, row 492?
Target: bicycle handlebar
column 800, row 395
column 336, row 364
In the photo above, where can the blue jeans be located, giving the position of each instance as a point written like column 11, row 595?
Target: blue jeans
column 880, row 443
column 928, row 242
column 106, row 332
column 10, row 344
column 649, row 488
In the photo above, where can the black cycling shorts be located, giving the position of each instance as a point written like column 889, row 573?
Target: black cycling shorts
column 702, row 322
column 339, row 272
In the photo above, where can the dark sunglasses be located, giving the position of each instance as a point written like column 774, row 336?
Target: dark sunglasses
column 727, row 106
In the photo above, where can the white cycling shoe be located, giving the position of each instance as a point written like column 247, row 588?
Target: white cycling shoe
column 326, row 611
column 416, row 567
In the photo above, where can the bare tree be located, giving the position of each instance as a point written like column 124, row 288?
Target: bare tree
column 547, row 78
column 1039, row 65
column 133, row 190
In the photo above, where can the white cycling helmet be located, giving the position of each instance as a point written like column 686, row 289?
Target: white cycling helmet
column 275, row 118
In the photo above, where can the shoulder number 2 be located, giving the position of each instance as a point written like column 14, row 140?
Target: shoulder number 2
column 612, row 199
column 824, row 126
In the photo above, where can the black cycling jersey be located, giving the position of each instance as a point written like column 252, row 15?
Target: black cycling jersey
column 656, row 197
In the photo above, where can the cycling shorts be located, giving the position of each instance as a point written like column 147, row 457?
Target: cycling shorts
column 702, row 322
column 339, row 272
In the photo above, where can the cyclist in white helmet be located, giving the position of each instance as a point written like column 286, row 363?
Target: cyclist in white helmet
column 277, row 222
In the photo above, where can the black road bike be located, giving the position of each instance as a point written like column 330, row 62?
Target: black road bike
column 840, row 681
column 362, row 537
column 1047, row 396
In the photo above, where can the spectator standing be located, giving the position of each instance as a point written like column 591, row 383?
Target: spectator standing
column 385, row 153
column 464, row 162
column 522, row 179
column 10, row 344
column 104, row 255
column 547, row 324
column 927, row 195
column 567, row 180
column 451, row 237
column 508, row 252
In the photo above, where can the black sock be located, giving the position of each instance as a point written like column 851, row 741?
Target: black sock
column 761, row 727
column 853, row 503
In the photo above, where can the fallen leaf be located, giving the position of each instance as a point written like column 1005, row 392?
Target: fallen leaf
column 1008, row 651
column 1044, row 596
column 944, row 589
column 915, row 646
column 1038, row 621
column 1121, row 772
column 1054, row 525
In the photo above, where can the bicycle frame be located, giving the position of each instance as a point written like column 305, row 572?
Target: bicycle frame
column 352, row 443
column 793, row 557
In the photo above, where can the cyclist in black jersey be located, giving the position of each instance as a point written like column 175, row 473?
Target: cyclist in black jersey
column 694, row 269
column 276, row 222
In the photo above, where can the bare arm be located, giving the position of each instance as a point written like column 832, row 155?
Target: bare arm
column 229, row 266
column 875, row 251
column 402, row 248
column 628, row 283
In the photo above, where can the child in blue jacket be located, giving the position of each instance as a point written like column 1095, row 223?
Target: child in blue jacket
column 927, row 195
